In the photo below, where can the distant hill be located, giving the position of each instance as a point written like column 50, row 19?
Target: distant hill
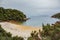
column 11, row 14
column 57, row 15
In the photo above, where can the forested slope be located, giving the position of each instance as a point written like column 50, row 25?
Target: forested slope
column 11, row 14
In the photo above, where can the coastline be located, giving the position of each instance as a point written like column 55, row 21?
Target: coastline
column 26, row 27
column 19, row 30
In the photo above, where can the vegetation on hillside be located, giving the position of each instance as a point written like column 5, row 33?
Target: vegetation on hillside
column 8, row 36
column 34, row 36
column 50, row 32
column 57, row 15
column 11, row 14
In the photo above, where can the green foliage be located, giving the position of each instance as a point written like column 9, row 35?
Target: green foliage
column 51, row 32
column 8, row 36
column 11, row 14
column 56, row 15
column 17, row 38
column 30, row 38
column 34, row 36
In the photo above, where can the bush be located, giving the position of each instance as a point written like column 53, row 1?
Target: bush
column 11, row 14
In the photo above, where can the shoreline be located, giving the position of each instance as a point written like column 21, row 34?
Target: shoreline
column 25, row 27
column 19, row 30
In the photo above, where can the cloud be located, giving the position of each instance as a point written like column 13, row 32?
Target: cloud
column 34, row 3
column 1, row 1
column 33, row 7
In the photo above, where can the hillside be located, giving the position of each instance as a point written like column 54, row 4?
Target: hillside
column 57, row 15
column 11, row 14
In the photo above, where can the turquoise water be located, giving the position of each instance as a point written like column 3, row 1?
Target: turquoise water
column 39, row 20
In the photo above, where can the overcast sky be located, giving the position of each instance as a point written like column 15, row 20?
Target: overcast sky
column 33, row 7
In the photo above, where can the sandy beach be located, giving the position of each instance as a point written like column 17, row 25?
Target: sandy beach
column 19, row 30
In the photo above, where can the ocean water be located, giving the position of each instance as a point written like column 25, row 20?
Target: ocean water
column 37, row 21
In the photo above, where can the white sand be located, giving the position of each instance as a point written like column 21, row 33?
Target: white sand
column 20, row 30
